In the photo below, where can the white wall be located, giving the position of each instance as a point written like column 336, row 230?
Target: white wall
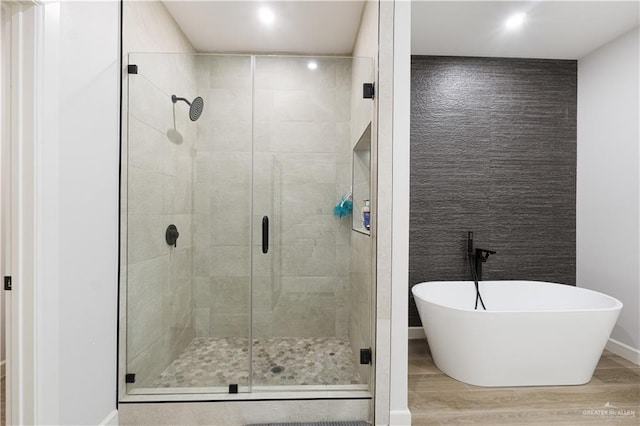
column 399, row 412
column 76, row 209
column 608, row 239
column 393, row 213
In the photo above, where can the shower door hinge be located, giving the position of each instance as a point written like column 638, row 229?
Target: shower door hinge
column 233, row 388
column 368, row 90
column 7, row 283
column 129, row 378
column 365, row 356
column 132, row 69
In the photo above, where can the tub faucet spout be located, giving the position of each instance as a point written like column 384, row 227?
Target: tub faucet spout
column 481, row 256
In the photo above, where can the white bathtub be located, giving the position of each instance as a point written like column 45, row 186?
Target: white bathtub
column 532, row 334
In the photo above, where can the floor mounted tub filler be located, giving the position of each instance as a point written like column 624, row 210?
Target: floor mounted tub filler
column 532, row 333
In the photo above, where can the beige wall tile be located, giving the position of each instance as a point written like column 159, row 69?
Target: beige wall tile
column 146, row 192
column 308, row 285
column 226, row 72
column 224, row 136
column 283, row 73
column 149, row 364
column 300, row 200
column 264, row 264
column 145, row 278
column 230, row 169
column 263, row 325
column 202, row 319
column 144, row 324
column 144, row 139
column 233, row 104
column 229, row 325
column 202, row 197
column 291, row 134
column 230, row 295
column 309, row 230
column 263, row 107
column 201, row 292
column 146, row 237
column 228, row 261
column 308, row 260
column 301, row 315
column 263, row 295
column 149, row 104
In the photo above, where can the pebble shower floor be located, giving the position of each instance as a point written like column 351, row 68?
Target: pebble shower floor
column 210, row 362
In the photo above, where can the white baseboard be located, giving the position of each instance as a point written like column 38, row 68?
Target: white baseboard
column 111, row 419
column 624, row 351
column 416, row 333
column 3, row 368
column 400, row 418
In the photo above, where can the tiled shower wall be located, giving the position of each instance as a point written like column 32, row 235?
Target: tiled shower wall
column 159, row 193
column 493, row 150
column 302, row 131
column 222, row 196
column 301, row 169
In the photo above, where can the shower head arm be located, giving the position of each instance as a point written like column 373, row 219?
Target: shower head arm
column 175, row 99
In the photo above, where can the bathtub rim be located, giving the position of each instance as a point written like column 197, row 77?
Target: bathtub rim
column 618, row 305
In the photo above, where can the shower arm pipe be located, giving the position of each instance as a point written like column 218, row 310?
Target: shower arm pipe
column 175, row 99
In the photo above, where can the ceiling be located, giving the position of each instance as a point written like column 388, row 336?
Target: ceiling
column 552, row 30
column 300, row 27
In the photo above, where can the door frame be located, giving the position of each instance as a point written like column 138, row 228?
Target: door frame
column 22, row 27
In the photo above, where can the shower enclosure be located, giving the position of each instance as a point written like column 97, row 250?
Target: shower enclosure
column 235, row 274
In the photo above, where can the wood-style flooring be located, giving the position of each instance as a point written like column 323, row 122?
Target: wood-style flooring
column 612, row 397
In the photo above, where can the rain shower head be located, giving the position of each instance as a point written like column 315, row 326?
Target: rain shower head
column 195, row 107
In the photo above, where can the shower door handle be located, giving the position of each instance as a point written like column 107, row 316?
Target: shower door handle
column 265, row 234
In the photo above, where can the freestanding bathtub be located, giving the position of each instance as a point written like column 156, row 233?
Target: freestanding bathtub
column 532, row 333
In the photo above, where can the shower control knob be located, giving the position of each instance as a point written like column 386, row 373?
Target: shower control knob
column 171, row 235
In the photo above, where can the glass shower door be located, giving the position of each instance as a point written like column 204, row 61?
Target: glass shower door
column 188, row 246
column 238, row 277
column 301, row 272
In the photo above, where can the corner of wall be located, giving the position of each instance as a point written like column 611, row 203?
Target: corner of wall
column 608, row 182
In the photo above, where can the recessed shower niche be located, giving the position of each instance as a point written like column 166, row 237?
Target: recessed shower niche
column 361, row 182
column 249, row 291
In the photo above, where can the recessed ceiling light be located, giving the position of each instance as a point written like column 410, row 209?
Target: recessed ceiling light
column 266, row 16
column 515, row 21
column 312, row 65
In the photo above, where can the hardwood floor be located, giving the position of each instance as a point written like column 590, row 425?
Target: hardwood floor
column 611, row 397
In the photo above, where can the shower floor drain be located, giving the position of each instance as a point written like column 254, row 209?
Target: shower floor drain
column 277, row 369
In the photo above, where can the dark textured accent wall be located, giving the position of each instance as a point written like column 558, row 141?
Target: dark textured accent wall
column 493, row 150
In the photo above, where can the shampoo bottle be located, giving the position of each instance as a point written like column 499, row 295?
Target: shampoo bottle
column 366, row 215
